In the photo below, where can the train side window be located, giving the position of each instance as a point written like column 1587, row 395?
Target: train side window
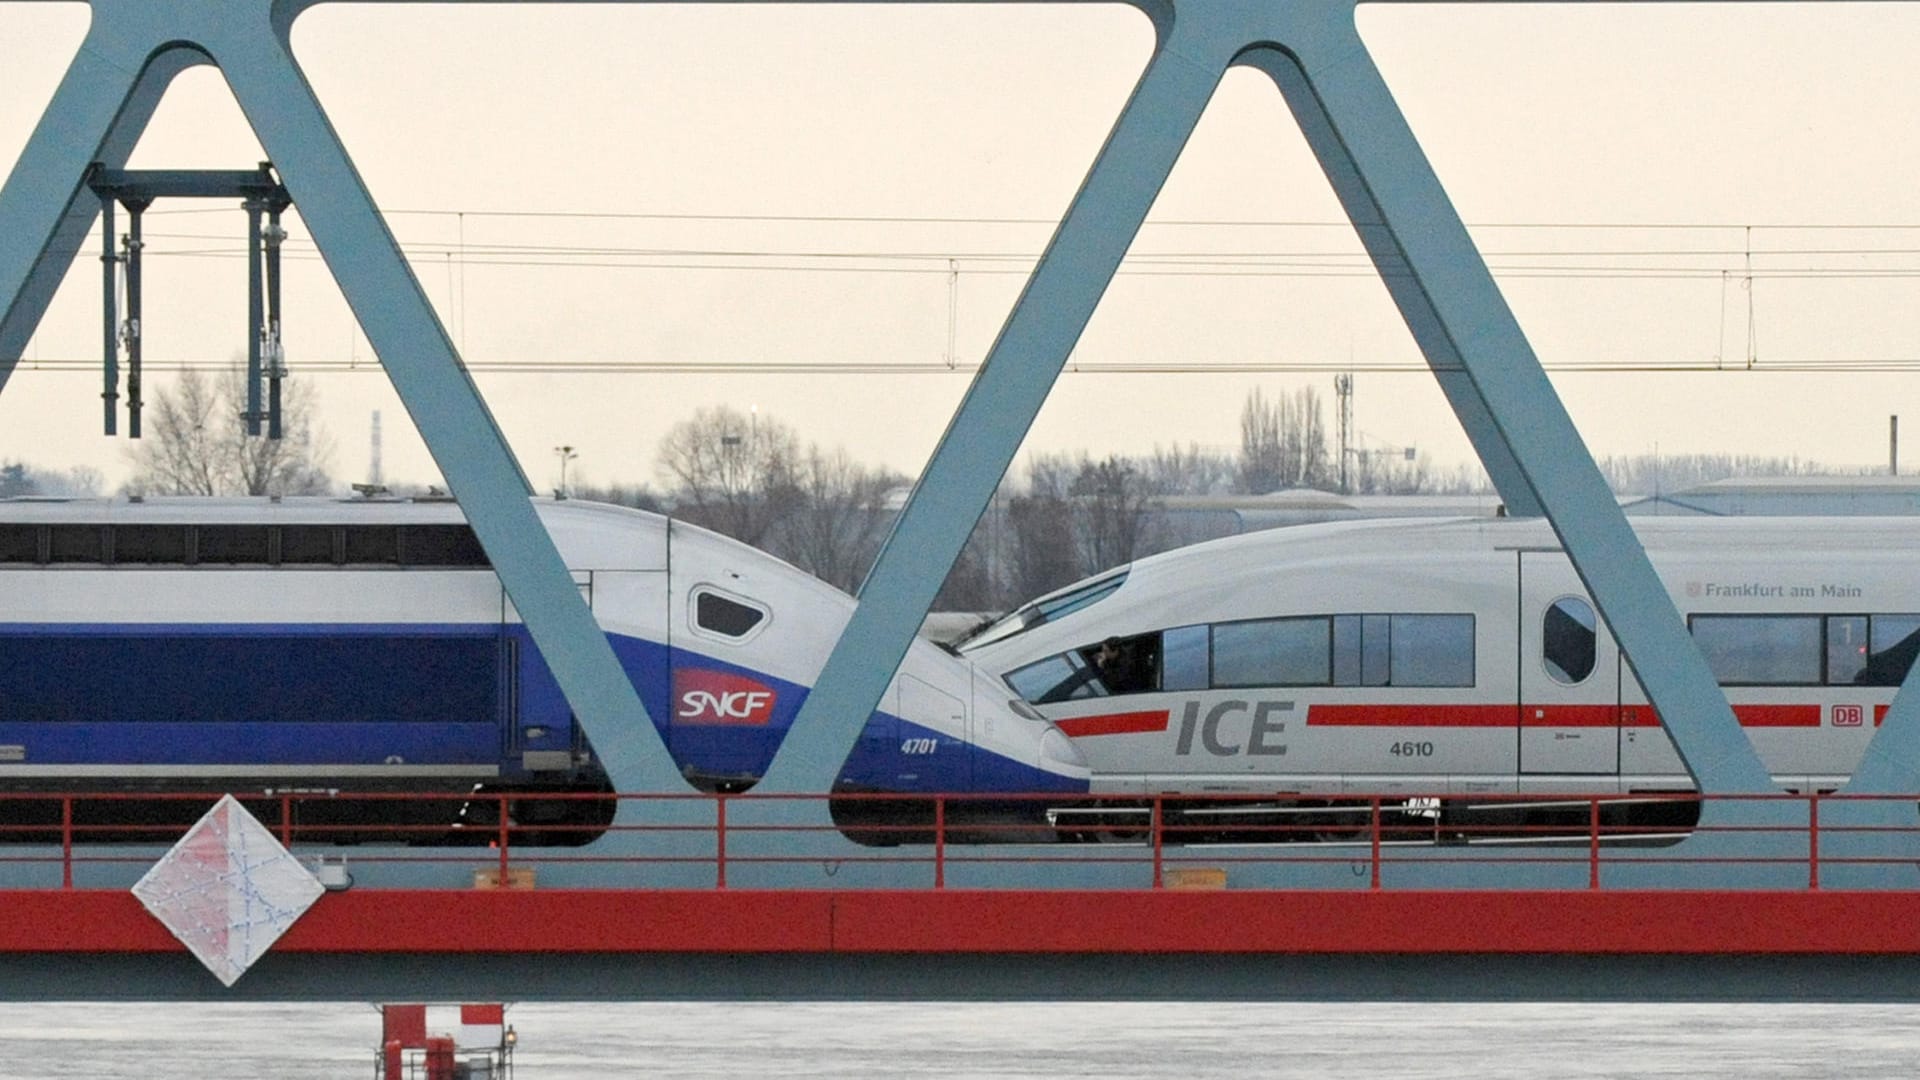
column 150, row 544
column 719, row 615
column 1057, row 678
column 1346, row 650
column 77, row 543
column 373, row 544
column 1183, row 658
column 1360, row 656
column 19, row 543
column 1895, row 640
column 231, row 544
column 1846, row 649
column 1129, row 665
column 1568, row 642
column 1273, row 652
column 440, row 545
column 1431, row 650
column 1040, row 612
column 308, row 545
column 1760, row 650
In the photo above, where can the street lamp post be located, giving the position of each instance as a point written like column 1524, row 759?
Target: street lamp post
column 565, row 454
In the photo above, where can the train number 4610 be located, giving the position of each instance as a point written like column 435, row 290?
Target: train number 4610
column 1411, row 749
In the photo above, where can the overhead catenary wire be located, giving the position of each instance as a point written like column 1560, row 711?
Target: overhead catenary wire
column 938, row 366
column 1713, row 260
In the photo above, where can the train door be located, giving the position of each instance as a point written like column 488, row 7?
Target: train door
column 1569, row 674
column 933, row 758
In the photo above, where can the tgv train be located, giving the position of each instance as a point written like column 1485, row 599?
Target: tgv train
column 1459, row 657
column 366, row 645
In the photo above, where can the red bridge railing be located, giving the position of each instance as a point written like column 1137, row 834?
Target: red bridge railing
column 1181, row 840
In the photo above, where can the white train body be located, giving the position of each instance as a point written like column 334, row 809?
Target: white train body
column 1460, row 657
column 368, row 644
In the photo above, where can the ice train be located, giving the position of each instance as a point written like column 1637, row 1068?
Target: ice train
column 1459, row 657
column 366, row 645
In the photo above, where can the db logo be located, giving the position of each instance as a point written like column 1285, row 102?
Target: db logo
column 1849, row 715
column 714, row 697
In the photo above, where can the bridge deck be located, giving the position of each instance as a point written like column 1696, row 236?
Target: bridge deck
column 581, row 921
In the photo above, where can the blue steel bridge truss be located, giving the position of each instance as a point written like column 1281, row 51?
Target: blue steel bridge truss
column 1313, row 52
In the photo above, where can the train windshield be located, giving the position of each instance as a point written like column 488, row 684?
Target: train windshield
column 1047, row 608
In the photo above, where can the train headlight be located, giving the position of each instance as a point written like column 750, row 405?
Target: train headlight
column 1056, row 747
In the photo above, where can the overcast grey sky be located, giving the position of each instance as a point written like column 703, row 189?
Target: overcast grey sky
column 952, row 136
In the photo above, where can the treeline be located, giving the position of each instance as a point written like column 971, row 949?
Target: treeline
column 18, row 479
column 1653, row 474
column 1054, row 520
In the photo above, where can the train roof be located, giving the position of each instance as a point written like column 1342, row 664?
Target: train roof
column 1428, row 538
column 197, row 509
column 276, row 510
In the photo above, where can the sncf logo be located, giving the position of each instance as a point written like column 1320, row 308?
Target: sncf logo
column 715, row 697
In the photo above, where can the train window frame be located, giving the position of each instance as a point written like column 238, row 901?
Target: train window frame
column 1048, row 608
column 77, row 543
column 1362, row 649
column 1819, row 650
column 22, row 539
column 304, row 533
column 442, row 546
column 1400, row 630
column 704, row 589
column 147, row 541
column 1071, row 678
column 1556, row 670
column 1843, row 663
column 367, row 545
column 1196, row 671
column 1282, row 677
column 1875, row 623
column 240, row 538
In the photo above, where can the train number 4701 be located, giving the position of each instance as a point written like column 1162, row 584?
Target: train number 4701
column 1411, row 749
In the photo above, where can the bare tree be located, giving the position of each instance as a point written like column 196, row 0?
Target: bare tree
column 1040, row 529
column 1190, row 471
column 1308, row 464
column 842, row 515
column 293, row 464
column 1262, row 465
column 1115, row 510
column 980, row 580
column 196, row 443
column 731, row 472
column 1283, row 442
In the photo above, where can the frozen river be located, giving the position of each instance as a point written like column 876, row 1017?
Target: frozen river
column 1227, row 1041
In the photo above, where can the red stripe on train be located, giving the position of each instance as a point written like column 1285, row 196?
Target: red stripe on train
column 1556, row 716
column 1126, row 723
column 1777, row 715
column 1412, row 715
column 1748, row 715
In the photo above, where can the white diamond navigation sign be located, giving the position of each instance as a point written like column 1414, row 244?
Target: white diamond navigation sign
column 228, row 890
